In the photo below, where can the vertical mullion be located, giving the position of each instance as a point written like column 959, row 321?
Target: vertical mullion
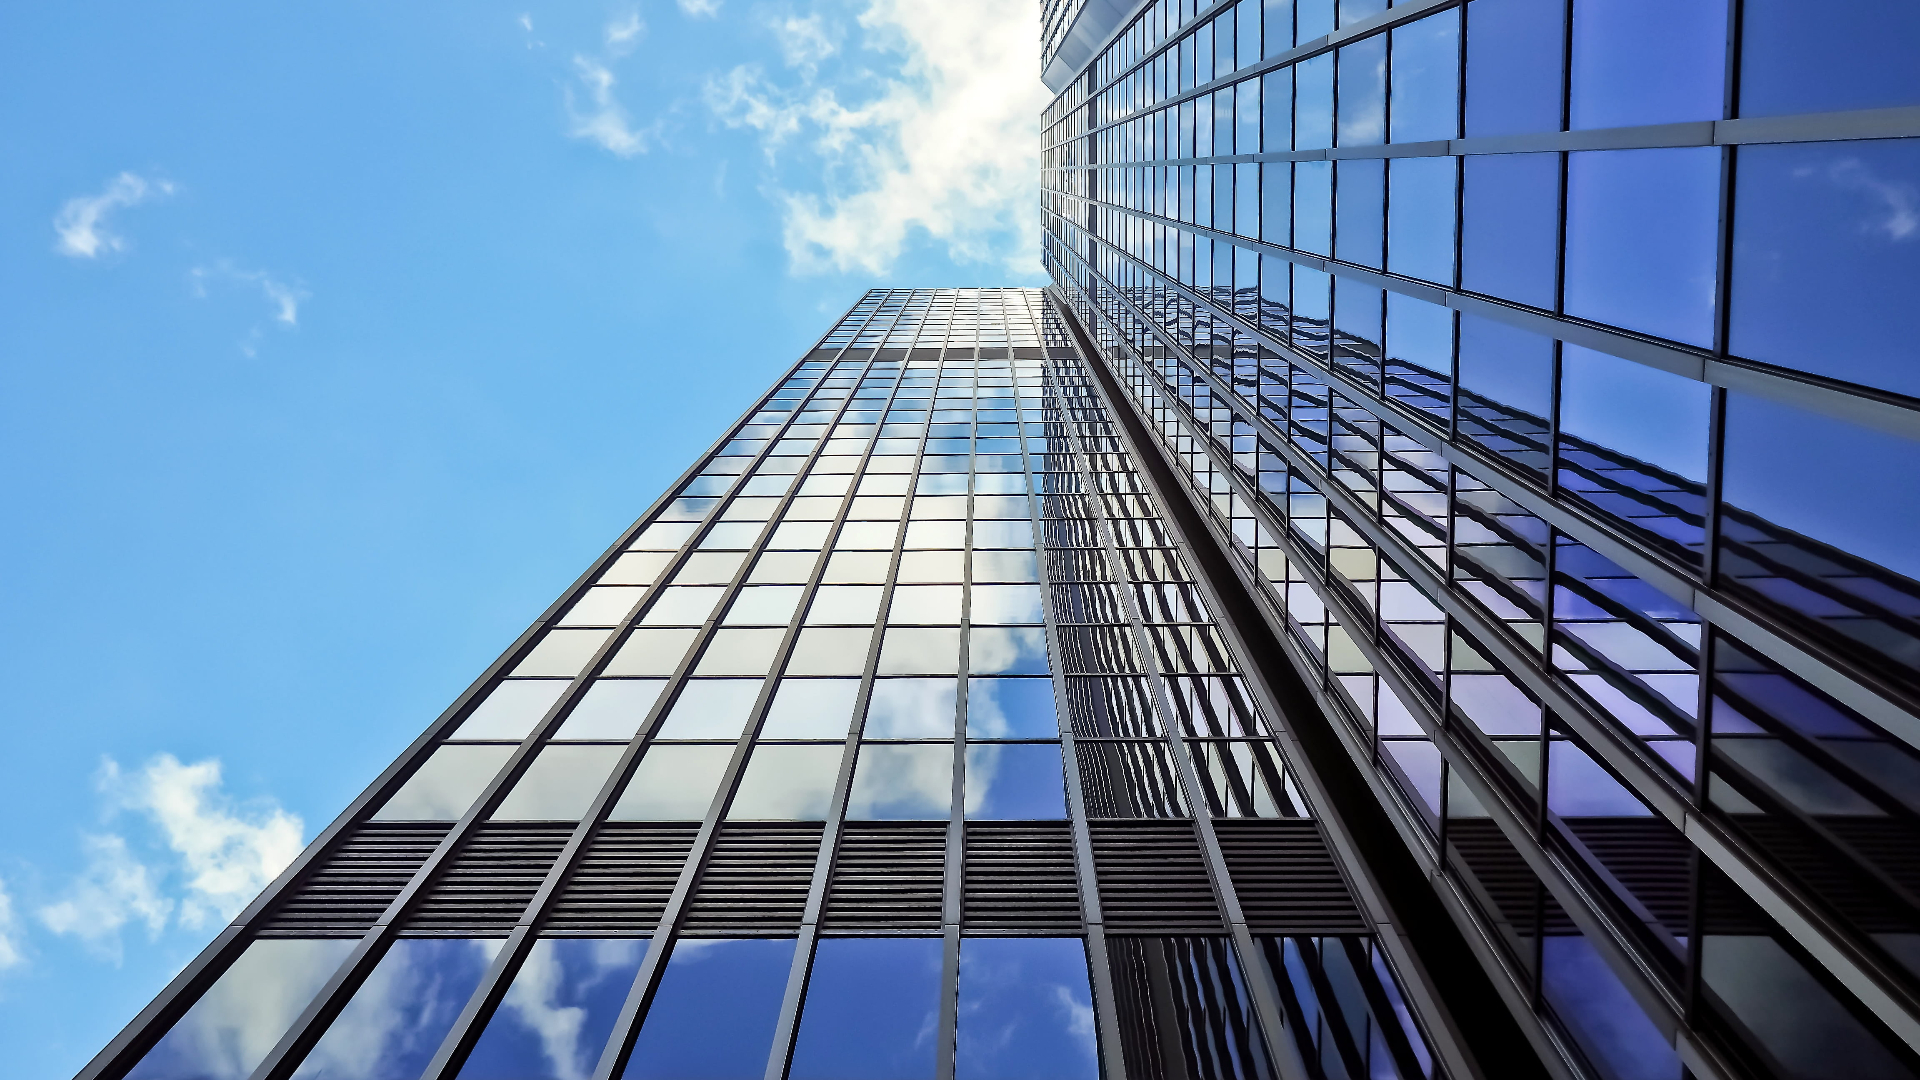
column 787, row 1026
column 613, row 1058
column 1280, row 1047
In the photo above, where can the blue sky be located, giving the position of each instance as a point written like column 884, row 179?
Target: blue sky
column 339, row 337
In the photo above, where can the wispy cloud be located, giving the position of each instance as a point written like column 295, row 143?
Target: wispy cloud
column 946, row 148
column 215, row 855
column 115, row 889
column 11, row 954
column 700, row 9
column 804, row 41
column 624, row 33
column 81, row 224
column 1896, row 203
column 283, row 297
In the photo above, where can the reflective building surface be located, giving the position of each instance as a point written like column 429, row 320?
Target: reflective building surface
column 900, row 740
column 1544, row 373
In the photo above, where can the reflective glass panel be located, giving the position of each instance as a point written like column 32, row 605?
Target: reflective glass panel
column 1011, row 709
column 1005, row 604
column 511, row 709
column 673, row 783
column 871, row 1011
column 811, row 709
column 1007, row 651
column 1510, row 226
column 560, row 784
column 855, row 604
column 919, row 650
column 927, row 604
column 611, row 709
column 911, row 709
column 1025, row 1011
column 651, row 652
column 786, row 783
column 830, row 651
column 237, row 1021
column 1014, row 781
column 896, row 782
column 710, row 709
column 1855, row 55
column 557, row 1014
column 562, row 653
column 1514, row 49
column 1623, row 75
column 443, row 788
column 396, row 1020
column 714, row 1013
column 1641, row 237
column 770, row 605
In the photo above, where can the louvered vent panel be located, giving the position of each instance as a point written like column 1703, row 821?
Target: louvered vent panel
column 624, row 877
column 887, row 875
column 1019, row 876
column 756, row 879
column 352, row 884
column 1153, row 878
column 1286, row 878
column 490, row 881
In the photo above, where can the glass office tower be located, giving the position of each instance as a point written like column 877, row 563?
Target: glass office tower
column 900, row 740
column 1545, row 372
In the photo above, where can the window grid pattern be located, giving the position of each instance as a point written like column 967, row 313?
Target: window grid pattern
column 920, row 588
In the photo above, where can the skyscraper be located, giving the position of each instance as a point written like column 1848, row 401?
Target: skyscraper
column 1546, row 373
column 1416, row 598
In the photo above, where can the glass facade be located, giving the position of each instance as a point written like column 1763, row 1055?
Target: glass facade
column 1480, row 335
column 899, row 740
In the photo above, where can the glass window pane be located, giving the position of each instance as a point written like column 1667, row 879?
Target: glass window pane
column 446, row 785
column 1426, row 72
column 1006, row 604
column 557, row 1015
column 825, row 651
column 938, row 604
column 811, row 709
column 709, row 568
column 1623, row 75
column 611, row 709
column 1015, row 782
column 1641, row 238
column 682, row 606
column 911, row 709
column 1011, row 709
column 636, row 568
column 1642, row 412
column 791, row 567
column 1510, row 221
column 786, row 783
column 560, row 784
column 1513, row 66
column 511, row 709
column 920, row 651
column 949, row 534
column 856, row 567
column 872, row 1006
column 651, row 652
column 673, row 783
column 858, row 605
column 1825, row 257
column 931, row 566
column 1857, row 54
column 714, row 1013
column 998, row 534
column 396, row 1020
column 601, row 607
column 1025, row 1011
column 1009, row 651
column 740, row 652
column 894, row 782
column 244, row 1013
column 562, row 653
column 710, row 709
column 765, row 605
column 1011, row 566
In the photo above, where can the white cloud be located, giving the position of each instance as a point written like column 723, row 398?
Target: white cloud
column 1896, row 214
column 82, row 221
column 526, row 22
column 10, row 948
column 948, row 147
column 227, row 853
column 221, row 854
column 700, row 9
column 624, row 33
column 804, row 42
column 283, row 297
column 606, row 123
column 115, row 889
